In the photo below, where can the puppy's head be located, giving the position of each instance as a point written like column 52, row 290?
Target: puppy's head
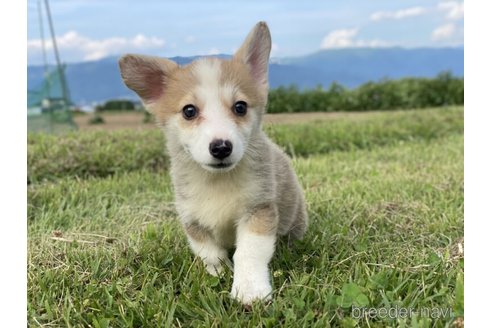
column 211, row 107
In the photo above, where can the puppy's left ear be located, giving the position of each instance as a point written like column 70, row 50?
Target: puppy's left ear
column 147, row 76
column 255, row 53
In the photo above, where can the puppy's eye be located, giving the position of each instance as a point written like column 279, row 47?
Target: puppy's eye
column 240, row 108
column 190, row 112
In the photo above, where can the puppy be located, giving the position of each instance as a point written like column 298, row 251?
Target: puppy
column 233, row 186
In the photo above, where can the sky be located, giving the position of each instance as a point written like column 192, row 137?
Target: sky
column 93, row 29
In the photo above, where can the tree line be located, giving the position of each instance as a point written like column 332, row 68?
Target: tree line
column 443, row 90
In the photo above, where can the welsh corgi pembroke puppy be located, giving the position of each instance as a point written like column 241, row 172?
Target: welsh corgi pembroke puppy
column 234, row 188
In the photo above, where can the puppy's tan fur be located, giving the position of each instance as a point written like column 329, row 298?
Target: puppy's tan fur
column 248, row 205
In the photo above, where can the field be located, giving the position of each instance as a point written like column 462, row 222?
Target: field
column 385, row 198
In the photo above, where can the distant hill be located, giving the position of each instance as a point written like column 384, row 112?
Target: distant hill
column 98, row 81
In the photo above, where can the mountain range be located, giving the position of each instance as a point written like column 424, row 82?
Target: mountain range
column 98, row 81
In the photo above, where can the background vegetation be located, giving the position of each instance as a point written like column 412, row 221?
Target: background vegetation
column 116, row 105
column 407, row 93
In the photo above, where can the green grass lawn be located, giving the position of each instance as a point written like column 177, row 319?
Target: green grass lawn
column 105, row 248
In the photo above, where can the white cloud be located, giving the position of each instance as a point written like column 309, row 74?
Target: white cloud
column 345, row 38
column 444, row 32
column 400, row 14
column 454, row 10
column 84, row 48
column 339, row 38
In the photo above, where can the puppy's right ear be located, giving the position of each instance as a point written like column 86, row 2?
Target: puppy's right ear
column 255, row 52
column 146, row 75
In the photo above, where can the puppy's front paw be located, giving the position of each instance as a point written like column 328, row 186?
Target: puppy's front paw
column 248, row 290
column 214, row 270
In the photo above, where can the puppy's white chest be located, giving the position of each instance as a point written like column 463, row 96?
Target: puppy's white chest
column 217, row 204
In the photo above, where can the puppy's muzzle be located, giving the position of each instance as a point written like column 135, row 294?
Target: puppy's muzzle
column 220, row 149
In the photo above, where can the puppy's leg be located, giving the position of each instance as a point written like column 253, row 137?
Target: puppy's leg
column 204, row 245
column 255, row 244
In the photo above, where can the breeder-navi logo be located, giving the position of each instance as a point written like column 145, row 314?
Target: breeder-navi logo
column 400, row 313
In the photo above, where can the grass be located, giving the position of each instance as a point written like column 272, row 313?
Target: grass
column 93, row 154
column 101, row 154
column 386, row 230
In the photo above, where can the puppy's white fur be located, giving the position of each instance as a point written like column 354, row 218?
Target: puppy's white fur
column 254, row 252
column 256, row 197
column 216, row 125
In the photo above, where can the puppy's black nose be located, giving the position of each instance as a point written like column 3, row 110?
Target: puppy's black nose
column 220, row 149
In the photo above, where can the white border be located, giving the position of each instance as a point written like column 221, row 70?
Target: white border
column 478, row 162
column 13, row 222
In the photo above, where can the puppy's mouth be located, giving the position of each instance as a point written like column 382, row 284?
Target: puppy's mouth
column 220, row 165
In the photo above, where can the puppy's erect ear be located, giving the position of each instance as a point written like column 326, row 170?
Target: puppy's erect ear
column 255, row 52
column 146, row 75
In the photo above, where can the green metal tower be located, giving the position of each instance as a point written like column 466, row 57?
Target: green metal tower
column 49, row 105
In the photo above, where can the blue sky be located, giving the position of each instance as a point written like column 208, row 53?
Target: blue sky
column 93, row 29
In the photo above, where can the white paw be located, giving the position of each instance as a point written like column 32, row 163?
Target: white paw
column 214, row 270
column 248, row 290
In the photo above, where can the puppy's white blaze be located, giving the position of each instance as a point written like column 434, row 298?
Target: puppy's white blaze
column 251, row 275
column 216, row 124
column 207, row 71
